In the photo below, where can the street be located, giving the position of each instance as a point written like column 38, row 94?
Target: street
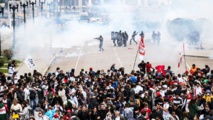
column 88, row 55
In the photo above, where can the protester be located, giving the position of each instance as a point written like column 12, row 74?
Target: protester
column 16, row 108
column 3, row 111
column 25, row 112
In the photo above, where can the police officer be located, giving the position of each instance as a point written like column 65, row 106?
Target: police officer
column 101, row 42
column 133, row 37
column 125, row 38
column 113, row 37
column 158, row 38
column 116, row 37
column 119, row 38
column 154, row 35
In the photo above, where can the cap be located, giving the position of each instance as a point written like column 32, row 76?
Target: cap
column 164, row 86
column 208, row 91
column 158, row 94
column 198, row 82
column 56, row 116
column 69, row 111
column 90, row 68
column 189, row 96
column 205, row 81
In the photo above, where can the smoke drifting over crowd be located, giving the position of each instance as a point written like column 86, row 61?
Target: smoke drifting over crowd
column 44, row 32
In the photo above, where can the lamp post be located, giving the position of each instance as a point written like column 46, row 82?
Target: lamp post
column 33, row 4
column 2, row 8
column 49, row 3
column 24, row 4
column 59, row 2
column 13, row 8
column 42, row 3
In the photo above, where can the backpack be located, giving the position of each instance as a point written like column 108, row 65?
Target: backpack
column 69, row 105
column 50, row 95
column 32, row 95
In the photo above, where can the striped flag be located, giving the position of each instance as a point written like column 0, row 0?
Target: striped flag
column 141, row 49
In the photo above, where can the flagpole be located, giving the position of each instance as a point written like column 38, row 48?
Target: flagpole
column 135, row 59
column 141, row 40
column 184, row 56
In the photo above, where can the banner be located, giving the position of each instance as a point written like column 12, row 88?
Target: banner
column 30, row 63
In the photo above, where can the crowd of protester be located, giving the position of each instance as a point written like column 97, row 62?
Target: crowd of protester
column 143, row 94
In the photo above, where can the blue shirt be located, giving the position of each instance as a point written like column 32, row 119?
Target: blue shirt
column 133, row 78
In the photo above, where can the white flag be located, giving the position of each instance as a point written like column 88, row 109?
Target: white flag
column 30, row 63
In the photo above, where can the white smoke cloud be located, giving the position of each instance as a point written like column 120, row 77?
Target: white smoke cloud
column 44, row 32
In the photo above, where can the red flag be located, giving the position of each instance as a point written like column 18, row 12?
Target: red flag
column 141, row 48
column 180, row 60
column 161, row 69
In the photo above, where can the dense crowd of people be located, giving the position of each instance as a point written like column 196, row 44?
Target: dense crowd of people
column 144, row 94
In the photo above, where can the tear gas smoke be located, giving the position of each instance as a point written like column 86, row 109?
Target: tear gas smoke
column 122, row 16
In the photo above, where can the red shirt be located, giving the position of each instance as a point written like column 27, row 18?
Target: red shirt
column 65, row 80
column 148, row 112
column 148, row 67
column 67, row 117
column 172, row 82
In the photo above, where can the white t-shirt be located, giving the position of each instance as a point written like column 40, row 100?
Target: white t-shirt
column 166, row 106
column 16, row 107
column 162, row 92
column 180, row 80
column 27, row 92
column 137, row 89
column 117, row 118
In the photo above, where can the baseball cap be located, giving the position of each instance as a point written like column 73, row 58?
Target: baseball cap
column 208, row 91
column 158, row 94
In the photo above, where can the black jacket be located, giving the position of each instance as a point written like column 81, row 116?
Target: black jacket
column 59, row 99
column 83, row 115
column 102, row 114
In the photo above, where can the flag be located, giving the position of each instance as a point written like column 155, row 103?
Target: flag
column 141, row 49
column 180, row 59
column 161, row 69
column 30, row 63
column 181, row 56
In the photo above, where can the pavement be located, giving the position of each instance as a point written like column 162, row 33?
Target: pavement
column 88, row 55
